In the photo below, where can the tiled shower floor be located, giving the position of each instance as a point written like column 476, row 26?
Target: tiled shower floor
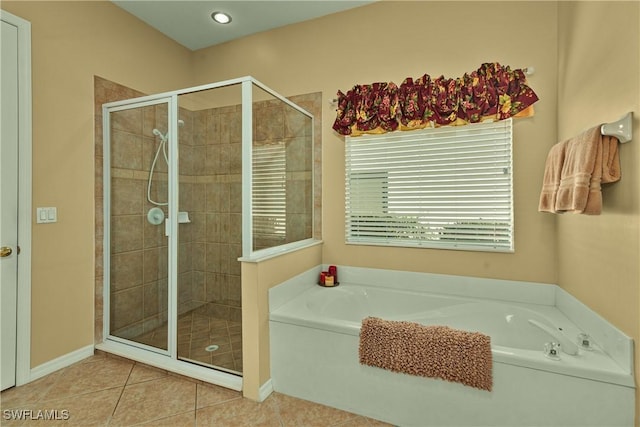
column 196, row 332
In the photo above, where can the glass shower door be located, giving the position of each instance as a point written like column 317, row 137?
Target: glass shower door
column 136, row 156
column 210, row 243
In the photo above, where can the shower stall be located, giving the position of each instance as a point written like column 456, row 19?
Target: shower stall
column 195, row 181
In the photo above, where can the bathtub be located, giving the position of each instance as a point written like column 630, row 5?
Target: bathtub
column 314, row 335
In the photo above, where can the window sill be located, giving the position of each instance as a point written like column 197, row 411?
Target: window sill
column 266, row 254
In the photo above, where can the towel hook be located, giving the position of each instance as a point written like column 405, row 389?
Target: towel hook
column 622, row 129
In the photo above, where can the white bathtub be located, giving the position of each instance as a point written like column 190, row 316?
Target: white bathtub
column 314, row 352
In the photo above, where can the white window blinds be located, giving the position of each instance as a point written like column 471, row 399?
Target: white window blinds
column 448, row 187
column 269, row 191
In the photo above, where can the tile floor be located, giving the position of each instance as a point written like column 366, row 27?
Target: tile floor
column 195, row 333
column 106, row 390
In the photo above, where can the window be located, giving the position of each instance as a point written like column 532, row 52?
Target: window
column 269, row 192
column 449, row 188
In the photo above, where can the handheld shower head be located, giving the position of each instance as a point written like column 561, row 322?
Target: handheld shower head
column 161, row 147
column 157, row 133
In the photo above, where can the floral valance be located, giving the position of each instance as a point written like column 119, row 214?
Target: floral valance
column 492, row 91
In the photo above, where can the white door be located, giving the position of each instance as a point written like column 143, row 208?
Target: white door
column 8, row 203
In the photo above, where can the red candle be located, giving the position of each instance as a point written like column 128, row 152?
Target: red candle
column 333, row 270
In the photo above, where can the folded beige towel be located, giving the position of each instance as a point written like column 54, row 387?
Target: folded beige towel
column 551, row 180
column 575, row 170
column 428, row 351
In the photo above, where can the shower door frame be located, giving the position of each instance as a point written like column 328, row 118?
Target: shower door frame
column 164, row 359
column 171, row 291
column 150, row 355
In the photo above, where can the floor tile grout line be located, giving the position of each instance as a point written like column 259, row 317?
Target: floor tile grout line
column 165, row 418
column 115, row 408
column 195, row 403
column 191, row 333
column 150, row 379
column 47, row 401
column 59, row 375
column 226, row 328
column 222, row 402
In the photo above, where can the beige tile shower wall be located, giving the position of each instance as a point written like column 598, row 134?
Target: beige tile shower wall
column 188, row 161
column 139, row 267
column 210, row 191
column 275, row 121
column 190, row 282
column 312, row 103
column 138, row 249
column 298, row 135
column 216, row 212
column 129, row 234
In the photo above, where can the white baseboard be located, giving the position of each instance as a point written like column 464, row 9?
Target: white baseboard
column 265, row 390
column 60, row 362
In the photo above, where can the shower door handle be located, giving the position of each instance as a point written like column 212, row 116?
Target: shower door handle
column 5, row 251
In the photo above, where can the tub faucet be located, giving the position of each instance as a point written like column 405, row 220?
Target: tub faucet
column 565, row 343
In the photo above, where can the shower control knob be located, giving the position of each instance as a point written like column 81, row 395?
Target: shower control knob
column 155, row 216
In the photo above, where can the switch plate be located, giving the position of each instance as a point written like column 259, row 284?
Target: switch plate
column 46, row 215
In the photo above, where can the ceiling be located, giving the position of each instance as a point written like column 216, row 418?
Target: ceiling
column 189, row 22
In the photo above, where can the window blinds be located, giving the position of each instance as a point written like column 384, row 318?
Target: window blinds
column 448, row 187
column 269, row 190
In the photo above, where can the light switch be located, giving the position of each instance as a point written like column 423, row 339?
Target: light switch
column 46, row 215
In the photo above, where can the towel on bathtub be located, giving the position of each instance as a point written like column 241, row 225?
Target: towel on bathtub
column 574, row 171
column 428, row 351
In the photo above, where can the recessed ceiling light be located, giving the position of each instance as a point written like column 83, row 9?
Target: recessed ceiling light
column 221, row 17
